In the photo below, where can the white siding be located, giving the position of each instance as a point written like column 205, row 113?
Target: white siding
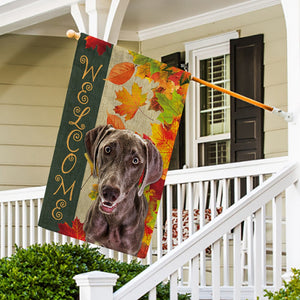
column 271, row 23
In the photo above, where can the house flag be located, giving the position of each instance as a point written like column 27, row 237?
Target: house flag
column 114, row 145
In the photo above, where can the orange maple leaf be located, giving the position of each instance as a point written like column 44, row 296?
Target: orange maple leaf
column 130, row 102
column 76, row 231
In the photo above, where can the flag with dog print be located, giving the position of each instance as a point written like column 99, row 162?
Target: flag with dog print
column 114, row 145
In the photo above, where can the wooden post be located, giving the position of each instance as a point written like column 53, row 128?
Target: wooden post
column 291, row 10
column 95, row 285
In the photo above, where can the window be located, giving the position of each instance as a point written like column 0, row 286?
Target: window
column 208, row 110
column 214, row 112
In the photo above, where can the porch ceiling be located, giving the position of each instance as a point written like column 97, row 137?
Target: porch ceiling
column 143, row 19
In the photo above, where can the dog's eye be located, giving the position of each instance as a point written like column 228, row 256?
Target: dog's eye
column 135, row 161
column 107, row 149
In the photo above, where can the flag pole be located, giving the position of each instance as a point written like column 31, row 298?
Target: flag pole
column 286, row 115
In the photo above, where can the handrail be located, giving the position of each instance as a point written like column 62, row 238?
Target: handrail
column 230, row 170
column 23, row 194
column 233, row 216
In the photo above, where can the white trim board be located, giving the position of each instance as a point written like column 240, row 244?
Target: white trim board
column 206, row 18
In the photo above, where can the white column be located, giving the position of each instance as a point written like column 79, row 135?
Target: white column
column 96, row 285
column 98, row 11
column 292, row 17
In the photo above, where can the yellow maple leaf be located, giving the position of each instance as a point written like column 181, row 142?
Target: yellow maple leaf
column 164, row 137
column 130, row 102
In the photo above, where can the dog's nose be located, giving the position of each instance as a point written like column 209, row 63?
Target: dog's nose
column 110, row 193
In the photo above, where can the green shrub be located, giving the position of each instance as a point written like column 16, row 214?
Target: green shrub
column 46, row 272
column 290, row 291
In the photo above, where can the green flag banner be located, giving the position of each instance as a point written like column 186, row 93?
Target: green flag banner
column 115, row 141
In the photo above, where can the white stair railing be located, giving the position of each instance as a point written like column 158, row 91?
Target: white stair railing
column 252, row 205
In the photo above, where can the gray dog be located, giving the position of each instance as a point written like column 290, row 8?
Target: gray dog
column 116, row 218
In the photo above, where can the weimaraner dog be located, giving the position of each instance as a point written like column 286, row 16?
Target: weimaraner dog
column 120, row 157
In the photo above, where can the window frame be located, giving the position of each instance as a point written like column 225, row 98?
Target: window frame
column 196, row 51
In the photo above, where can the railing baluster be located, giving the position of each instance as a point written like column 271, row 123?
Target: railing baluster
column 9, row 229
column 263, row 246
column 24, row 224
column 194, row 283
column 190, row 208
column 237, row 267
column 152, row 294
column 212, row 200
column 258, row 255
column 202, row 219
column 17, row 223
column 55, row 237
column 2, row 224
column 237, row 189
column 64, row 239
column 159, row 232
column 179, row 228
column 32, row 223
column 40, row 230
column 191, row 221
column 249, row 183
column 277, row 240
column 48, row 236
column 169, row 217
column 173, row 286
column 215, row 261
column 225, row 205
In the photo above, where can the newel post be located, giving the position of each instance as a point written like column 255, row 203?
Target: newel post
column 96, row 285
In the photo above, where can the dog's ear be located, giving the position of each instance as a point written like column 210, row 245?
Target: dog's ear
column 154, row 166
column 92, row 141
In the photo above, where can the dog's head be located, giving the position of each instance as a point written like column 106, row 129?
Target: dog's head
column 120, row 159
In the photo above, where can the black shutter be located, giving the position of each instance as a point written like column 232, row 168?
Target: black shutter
column 246, row 78
column 178, row 155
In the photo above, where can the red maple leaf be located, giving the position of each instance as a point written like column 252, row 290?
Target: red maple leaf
column 176, row 77
column 94, row 43
column 76, row 231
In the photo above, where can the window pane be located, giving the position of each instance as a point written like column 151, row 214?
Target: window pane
column 214, row 105
column 213, row 153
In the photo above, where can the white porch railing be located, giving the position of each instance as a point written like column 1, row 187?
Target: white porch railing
column 251, row 206
column 187, row 193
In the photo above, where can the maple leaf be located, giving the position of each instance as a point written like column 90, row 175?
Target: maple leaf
column 130, row 102
column 92, row 42
column 139, row 59
column 171, row 108
column 115, row 121
column 76, row 231
column 164, row 137
column 143, row 71
column 176, row 77
column 185, row 78
column 154, row 105
column 121, row 73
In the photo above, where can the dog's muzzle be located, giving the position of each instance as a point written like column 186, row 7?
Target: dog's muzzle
column 108, row 198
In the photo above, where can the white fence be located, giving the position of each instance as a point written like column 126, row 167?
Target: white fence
column 191, row 198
